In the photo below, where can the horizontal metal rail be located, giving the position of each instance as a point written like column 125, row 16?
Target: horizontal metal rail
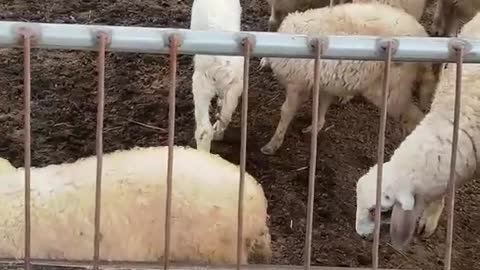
column 155, row 265
column 155, row 40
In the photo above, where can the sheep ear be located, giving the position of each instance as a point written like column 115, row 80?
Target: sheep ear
column 403, row 222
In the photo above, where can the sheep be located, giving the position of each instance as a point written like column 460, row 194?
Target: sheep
column 204, row 209
column 449, row 14
column 416, row 177
column 348, row 77
column 215, row 75
column 280, row 8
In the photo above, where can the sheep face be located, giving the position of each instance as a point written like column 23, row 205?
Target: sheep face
column 366, row 199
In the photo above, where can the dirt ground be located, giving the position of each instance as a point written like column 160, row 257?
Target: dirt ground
column 63, row 129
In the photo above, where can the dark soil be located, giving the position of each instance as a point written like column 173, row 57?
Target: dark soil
column 63, row 129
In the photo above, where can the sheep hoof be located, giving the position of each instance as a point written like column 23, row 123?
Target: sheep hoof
column 268, row 150
column 426, row 227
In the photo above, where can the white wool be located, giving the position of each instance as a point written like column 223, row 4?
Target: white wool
column 449, row 14
column 350, row 77
column 220, row 76
column 280, row 8
column 204, row 209
column 6, row 166
column 412, row 7
column 419, row 170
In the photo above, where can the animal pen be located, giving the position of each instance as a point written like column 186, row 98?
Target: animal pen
column 247, row 44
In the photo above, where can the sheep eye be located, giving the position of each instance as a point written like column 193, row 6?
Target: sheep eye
column 387, row 197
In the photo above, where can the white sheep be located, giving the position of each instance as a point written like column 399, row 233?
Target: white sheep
column 348, row 77
column 417, row 175
column 449, row 14
column 215, row 75
column 280, row 8
column 204, row 209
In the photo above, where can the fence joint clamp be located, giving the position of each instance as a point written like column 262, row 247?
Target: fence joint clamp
column 24, row 30
column 242, row 38
column 168, row 35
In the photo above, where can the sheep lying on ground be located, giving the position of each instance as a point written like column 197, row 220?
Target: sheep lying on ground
column 280, row 8
column 449, row 14
column 204, row 209
column 416, row 177
column 348, row 77
column 215, row 75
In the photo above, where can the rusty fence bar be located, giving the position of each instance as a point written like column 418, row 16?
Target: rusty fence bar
column 27, row 92
column 154, row 265
column 177, row 41
column 102, row 39
column 246, row 48
column 317, row 47
column 387, row 48
column 459, row 53
column 173, row 44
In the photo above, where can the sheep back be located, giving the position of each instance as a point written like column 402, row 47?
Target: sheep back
column 204, row 209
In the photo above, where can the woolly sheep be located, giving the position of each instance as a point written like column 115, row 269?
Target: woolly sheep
column 416, row 177
column 348, row 77
column 204, row 209
column 449, row 14
column 215, row 75
column 280, row 8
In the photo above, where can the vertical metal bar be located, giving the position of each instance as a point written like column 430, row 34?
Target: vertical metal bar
column 243, row 147
column 381, row 151
column 28, row 141
column 453, row 162
column 173, row 40
column 102, row 41
column 313, row 153
column 331, row 3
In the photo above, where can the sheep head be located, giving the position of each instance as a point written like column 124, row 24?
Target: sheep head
column 396, row 196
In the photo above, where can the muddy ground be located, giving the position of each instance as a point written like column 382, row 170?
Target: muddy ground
column 64, row 107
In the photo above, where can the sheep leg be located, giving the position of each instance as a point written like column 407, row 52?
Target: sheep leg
column 230, row 103
column 275, row 19
column 324, row 102
column 203, row 91
column 431, row 216
column 294, row 96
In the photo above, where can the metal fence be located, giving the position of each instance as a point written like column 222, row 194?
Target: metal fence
column 246, row 44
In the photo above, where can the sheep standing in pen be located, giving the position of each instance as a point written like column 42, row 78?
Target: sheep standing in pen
column 215, row 75
column 349, row 77
column 416, row 177
column 449, row 14
column 204, row 209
